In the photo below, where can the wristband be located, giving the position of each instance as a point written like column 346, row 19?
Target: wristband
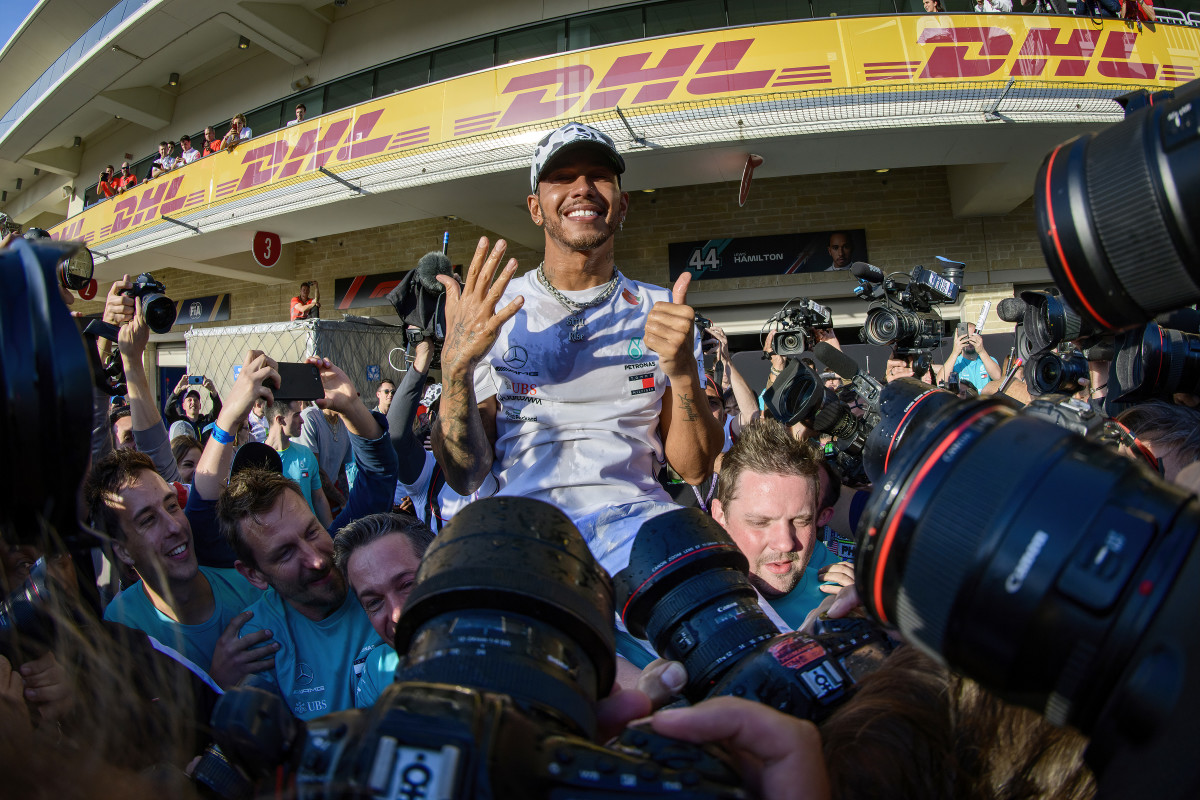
column 775, row 371
column 221, row 435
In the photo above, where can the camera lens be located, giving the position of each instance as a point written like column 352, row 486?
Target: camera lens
column 1117, row 215
column 1049, row 321
column 1041, row 601
column 789, row 343
column 686, row 590
column 1050, row 373
column 159, row 312
column 1154, row 361
column 509, row 599
column 905, row 407
column 882, row 326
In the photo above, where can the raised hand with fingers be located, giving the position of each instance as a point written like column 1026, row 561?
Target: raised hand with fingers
column 472, row 322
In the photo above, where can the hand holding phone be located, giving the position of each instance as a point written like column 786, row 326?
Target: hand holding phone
column 298, row 381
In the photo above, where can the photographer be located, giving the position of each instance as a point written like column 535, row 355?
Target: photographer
column 106, row 186
column 188, row 409
column 970, row 359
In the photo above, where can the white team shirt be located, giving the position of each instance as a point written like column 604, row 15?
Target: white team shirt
column 577, row 423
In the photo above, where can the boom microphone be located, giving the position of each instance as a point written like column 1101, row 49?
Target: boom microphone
column 429, row 267
column 1011, row 309
column 835, row 359
column 866, row 272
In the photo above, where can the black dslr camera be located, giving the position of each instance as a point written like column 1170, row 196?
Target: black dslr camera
column 157, row 309
column 507, row 643
column 798, row 321
column 686, row 590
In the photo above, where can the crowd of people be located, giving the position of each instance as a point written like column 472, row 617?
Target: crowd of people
column 173, row 155
column 273, row 544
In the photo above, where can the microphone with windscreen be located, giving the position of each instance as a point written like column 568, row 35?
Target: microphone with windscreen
column 429, row 267
column 866, row 272
column 419, row 299
column 1011, row 309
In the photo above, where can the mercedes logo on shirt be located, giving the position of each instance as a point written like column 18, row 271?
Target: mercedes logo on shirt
column 304, row 674
column 516, row 356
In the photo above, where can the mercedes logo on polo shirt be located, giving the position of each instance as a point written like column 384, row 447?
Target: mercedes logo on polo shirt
column 516, row 356
column 304, row 674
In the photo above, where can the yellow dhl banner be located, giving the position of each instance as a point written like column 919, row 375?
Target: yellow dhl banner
column 906, row 52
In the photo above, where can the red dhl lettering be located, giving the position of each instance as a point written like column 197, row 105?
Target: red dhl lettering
column 145, row 205
column 633, row 79
column 275, row 160
column 983, row 51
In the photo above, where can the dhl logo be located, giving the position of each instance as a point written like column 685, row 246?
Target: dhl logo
column 160, row 198
column 631, row 79
column 312, row 150
column 983, row 51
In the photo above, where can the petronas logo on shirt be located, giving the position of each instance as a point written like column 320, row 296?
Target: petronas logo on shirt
column 636, row 348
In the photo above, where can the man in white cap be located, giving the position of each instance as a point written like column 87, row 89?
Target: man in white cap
column 570, row 383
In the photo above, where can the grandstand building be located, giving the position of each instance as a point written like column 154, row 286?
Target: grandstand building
column 904, row 135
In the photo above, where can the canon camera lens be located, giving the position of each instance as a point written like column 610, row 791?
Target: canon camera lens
column 1068, row 588
column 1119, row 214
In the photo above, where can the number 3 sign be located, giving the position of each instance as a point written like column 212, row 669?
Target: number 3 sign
column 267, row 248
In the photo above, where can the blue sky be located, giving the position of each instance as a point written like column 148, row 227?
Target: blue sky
column 12, row 14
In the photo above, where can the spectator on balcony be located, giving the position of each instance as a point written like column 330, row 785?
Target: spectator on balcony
column 187, row 153
column 166, row 161
column 300, row 112
column 933, row 6
column 107, row 185
column 238, row 131
column 211, row 143
column 993, row 6
column 126, row 180
column 1138, row 10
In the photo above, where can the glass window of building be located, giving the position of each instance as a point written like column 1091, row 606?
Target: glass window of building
column 402, row 75
column 463, row 58
column 349, row 91
column 541, row 40
column 851, row 8
column 605, row 28
column 683, row 16
column 749, row 12
column 265, row 120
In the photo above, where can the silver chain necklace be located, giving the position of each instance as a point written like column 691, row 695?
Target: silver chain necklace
column 575, row 321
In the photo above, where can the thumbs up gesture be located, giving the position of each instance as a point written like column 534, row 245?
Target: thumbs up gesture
column 669, row 331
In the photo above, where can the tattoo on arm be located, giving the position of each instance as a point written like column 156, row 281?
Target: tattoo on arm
column 689, row 408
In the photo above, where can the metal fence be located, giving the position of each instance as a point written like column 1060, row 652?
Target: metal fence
column 359, row 347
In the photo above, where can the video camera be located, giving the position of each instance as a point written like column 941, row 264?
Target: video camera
column 798, row 321
column 902, row 313
column 420, row 299
column 507, row 643
column 798, row 395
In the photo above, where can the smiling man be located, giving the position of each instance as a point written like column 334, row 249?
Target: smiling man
column 380, row 556
column 767, row 503
column 583, row 380
column 195, row 610
column 282, row 548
